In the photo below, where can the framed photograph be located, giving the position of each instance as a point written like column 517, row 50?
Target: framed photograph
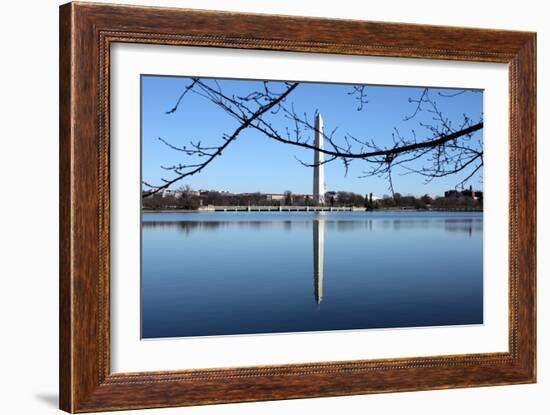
column 260, row 207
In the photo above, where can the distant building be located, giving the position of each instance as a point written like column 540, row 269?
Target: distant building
column 274, row 196
column 451, row 193
column 474, row 194
column 168, row 192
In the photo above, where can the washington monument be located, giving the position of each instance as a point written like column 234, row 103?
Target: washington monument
column 319, row 168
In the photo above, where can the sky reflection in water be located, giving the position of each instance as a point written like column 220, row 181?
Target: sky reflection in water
column 244, row 272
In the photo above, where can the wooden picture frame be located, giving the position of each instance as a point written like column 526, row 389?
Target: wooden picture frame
column 86, row 33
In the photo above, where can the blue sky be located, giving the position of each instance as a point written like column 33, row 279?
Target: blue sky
column 255, row 163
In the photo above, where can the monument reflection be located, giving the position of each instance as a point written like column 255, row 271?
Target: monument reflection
column 318, row 258
column 320, row 222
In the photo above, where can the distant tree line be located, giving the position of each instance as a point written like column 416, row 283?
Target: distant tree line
column 188, row 199
column 184, row 198
column 454, row 202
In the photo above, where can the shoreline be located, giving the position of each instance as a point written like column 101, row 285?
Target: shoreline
column 358, row 210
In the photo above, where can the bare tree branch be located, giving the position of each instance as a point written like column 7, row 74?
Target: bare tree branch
column 450, row 150
column 218, row 152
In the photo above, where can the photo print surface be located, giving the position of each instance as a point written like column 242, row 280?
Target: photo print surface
column 285, row 206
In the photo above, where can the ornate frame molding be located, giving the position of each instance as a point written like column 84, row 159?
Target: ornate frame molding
column 86, row 33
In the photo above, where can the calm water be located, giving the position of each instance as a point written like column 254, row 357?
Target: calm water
column 243, row 272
